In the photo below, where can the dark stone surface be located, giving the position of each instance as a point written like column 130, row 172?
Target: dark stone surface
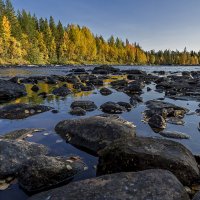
column 112, row 108
column 149, row 184
column 86, row 105
column 78, row 111
column 94, row 133
column 61, row 91
column 138, row 153
column 42, row 172
column 20, row 134
column 14, row 153
column 21, row 111
column 10, row 91
column 105, row 91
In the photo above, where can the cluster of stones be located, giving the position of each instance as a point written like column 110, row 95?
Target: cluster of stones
column 129, row 166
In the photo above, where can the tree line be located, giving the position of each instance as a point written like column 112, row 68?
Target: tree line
column 25, row 39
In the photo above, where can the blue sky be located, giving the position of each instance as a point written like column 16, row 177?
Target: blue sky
column 155, row 24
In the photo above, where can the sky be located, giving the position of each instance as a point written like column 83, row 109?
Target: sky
column 154, row 24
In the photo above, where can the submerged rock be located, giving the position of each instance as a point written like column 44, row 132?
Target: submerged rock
column 10, row 91
column 94, row 133
column 175, row 120
column 42, row 172
column 21, row 111
column 133, row 154
column 149, row 184
column 105, row 69
column 174, row 134
column 86, row 105
column 14, row 153
column 21, row 134
column 78, row 111
column 105, row 91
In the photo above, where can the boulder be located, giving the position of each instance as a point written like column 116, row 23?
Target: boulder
column 157, row 122
column 112, row 108
column 78, row 111
column 35, row 88
column 14, row 153
column 43, row 172
column 149, row 184
column 61, row 91
column 86, row 105
column 105, row 91
column 10, row 91
column 139, row 153
column 21, row 111
column 174, row 134
column 94, row 133
column 105, row 69
column 125, row 105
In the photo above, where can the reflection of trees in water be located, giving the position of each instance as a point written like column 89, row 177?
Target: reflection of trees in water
column 32, row 97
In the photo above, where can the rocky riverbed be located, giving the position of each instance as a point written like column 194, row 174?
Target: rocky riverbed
column 80, row 133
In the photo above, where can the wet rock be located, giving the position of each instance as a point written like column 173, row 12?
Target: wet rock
column 148, row 89
column 96, row 82
column 105, row 69
column 21, row 111
column 10, row 91
column 86, row 105
column 134, row 88
column 139, row 153
column 105, row 91
column 174, row 134
column 43, row 95
column 112, row 108
column 78, row 111
column 55, row 111
column 35, row 88
column 21, row 134
column 149, row 184
column 135, row 99
column 94, row 133
column 125, row 105
column 176, row 121
column 43, row 172
column 170, row 109
column 119, row 83
column 197, row 196
column 14, row 79
column 157, row 122
column 14, row 153
column 50, row 81
column 61, row 91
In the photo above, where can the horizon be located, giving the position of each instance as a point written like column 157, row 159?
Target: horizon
column 155, row 26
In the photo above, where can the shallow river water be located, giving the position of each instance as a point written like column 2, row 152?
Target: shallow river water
column 48, row 120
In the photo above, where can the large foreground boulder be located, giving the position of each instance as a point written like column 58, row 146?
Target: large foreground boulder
column 10, row 90
column 94, row 133
column 14, row 153
column 42, row 172
column 149, row 184
column 21, row 111
column 135, row 154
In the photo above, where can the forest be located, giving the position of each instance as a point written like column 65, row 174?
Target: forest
column 25, row 39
